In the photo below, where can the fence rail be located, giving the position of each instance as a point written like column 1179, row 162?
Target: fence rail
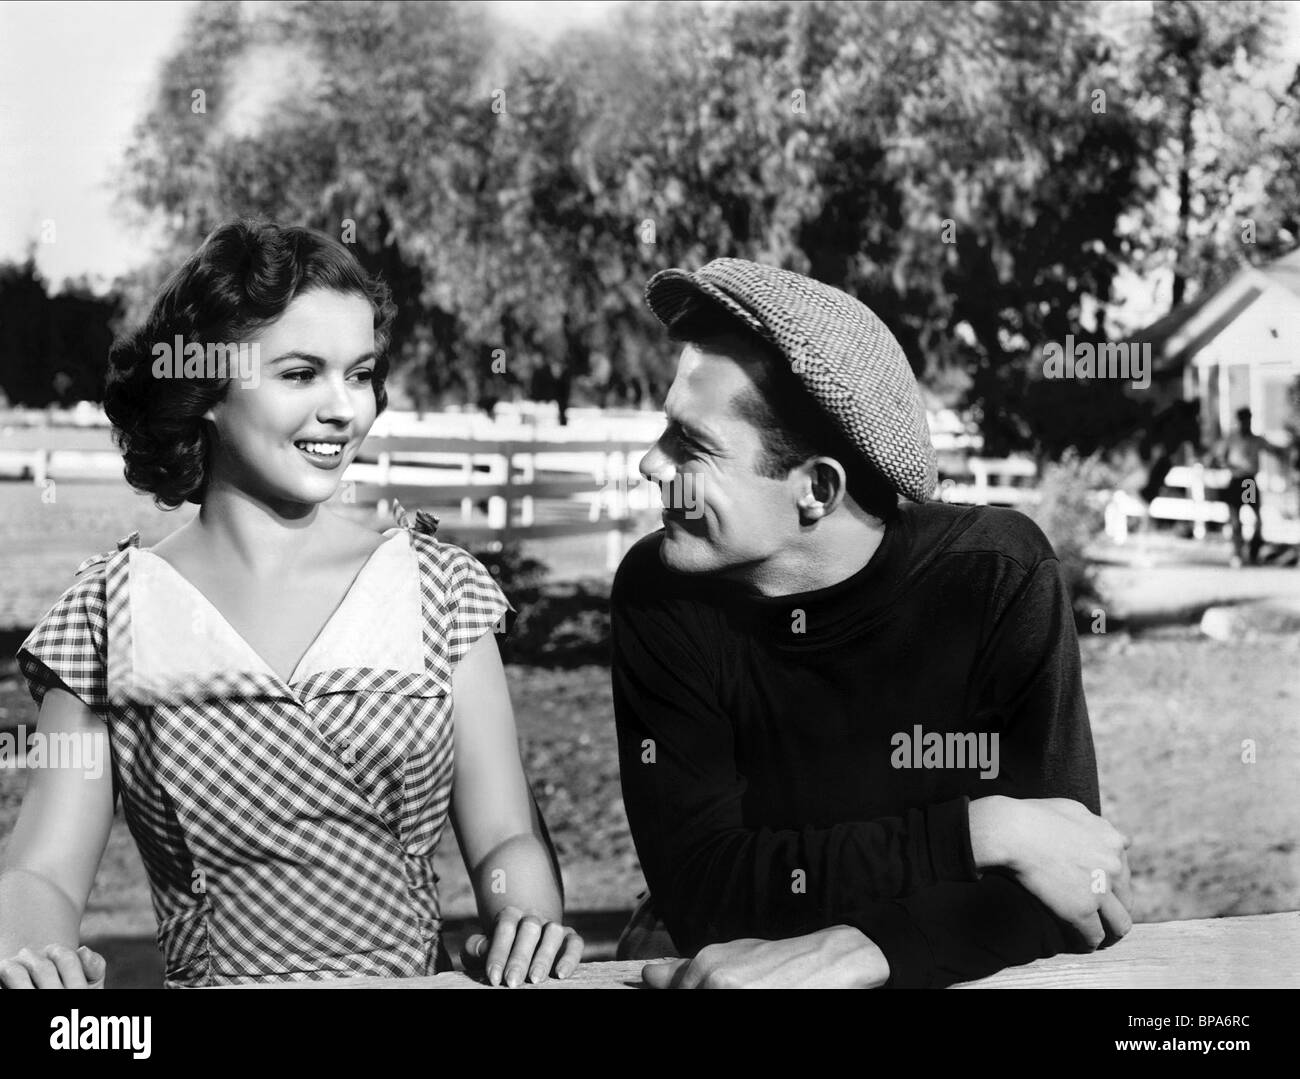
column 497, row 484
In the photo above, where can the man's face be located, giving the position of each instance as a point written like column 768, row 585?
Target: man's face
column 721, row 516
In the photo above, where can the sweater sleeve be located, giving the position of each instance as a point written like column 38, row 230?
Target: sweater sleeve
column 1028, row 685
column 713, row 878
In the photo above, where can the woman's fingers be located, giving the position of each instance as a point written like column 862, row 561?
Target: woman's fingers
column 94, row 965
column 570, row 955
column 14, row 975
column 67, row 964
column 528, row 933
column 524, row 947
column 45, row 975
column 547, row 949
column 503, row 938
column 473, row 950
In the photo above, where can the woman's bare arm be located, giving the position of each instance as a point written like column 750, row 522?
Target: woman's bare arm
column 53, row 855
column 508, row 863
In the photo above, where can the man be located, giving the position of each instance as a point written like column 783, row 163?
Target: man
column 805, row 673
column 1239, row 453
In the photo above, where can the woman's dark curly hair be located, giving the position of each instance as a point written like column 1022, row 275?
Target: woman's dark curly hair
column 240, row 280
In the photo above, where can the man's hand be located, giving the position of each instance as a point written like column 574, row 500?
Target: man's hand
column 1071, row 859
column 837, row 958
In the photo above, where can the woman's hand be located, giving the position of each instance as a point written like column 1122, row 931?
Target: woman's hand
column 56, row 966
column 524, row 946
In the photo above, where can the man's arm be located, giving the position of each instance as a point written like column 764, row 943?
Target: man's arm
column 1027, row 683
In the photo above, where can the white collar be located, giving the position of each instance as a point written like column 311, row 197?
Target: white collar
column 178, row 638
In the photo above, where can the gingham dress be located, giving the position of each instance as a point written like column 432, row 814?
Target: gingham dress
column 288, row 828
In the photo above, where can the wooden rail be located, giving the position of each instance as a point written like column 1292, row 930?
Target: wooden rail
column 1254, row 952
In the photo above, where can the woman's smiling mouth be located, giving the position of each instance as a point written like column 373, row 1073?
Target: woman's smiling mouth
column 321, row 454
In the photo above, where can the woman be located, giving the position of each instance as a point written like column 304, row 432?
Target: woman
column 294, row 703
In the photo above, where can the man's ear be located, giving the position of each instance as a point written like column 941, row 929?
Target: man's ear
column 823, row 484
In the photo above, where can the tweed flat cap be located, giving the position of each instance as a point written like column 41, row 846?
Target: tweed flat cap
column 843, row 354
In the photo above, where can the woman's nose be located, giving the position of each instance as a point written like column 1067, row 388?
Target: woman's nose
column 337, row 405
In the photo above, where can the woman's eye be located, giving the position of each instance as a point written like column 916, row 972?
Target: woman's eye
column 301, row 375
column 365, row 375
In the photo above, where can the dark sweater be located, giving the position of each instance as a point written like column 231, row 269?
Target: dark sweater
column 758, row 739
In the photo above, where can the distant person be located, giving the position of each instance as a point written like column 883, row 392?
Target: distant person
column 295, row 705
column 1240, row 453
column 795, row 649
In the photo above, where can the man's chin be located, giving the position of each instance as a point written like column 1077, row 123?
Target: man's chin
column 683, row 552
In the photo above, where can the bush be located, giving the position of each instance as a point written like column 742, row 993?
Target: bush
column 1071, row 513
column 561, row 626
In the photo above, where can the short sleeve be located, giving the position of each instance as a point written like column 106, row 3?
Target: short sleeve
column 67, row 649
column 478, row 605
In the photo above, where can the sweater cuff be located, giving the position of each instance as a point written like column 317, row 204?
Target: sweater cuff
column 947, row 828
column 891, row 929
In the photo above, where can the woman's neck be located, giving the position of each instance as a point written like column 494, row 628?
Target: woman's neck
column 262, row 540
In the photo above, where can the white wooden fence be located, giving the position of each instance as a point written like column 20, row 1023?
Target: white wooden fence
column 591, row 486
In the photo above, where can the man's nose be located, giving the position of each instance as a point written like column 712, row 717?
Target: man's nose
column 656, row 466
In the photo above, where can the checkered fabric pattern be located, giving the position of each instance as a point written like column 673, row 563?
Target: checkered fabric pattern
column 843, row 354
column 288, row 830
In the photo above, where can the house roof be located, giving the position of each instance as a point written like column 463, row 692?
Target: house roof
column 1182, row 333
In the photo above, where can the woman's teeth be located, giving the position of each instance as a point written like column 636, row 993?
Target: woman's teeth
column 321, row 449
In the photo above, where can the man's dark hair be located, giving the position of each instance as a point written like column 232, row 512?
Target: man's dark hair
column 240, row 280
column 791, row 425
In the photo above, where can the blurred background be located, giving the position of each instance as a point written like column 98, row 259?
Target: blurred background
column 990, row 178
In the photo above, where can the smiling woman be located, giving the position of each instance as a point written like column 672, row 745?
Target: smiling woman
column 295, row 704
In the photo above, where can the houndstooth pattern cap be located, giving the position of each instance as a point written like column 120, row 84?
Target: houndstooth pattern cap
column 842, row 353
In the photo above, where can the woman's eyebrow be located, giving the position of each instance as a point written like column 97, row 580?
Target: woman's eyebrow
column 308, row 357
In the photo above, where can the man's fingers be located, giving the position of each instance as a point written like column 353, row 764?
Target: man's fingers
column 503, row 938
column 1090, row 930
column 1114, row 917
column 528, row 932
column 68, row 964
column 1122, row 885
column 664, row 974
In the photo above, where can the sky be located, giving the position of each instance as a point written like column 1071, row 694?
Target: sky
column 75, row 77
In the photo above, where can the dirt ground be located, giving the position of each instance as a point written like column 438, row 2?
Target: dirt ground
column 1173, row 714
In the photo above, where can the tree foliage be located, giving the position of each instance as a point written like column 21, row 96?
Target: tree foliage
column 946, row 162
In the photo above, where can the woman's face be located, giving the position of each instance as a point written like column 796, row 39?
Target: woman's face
column 288, row 434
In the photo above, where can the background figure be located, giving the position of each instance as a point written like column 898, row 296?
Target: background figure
column 1239, row 453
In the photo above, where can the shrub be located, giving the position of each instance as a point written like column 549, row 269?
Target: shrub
column 554, row 626
column 1070, row 511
